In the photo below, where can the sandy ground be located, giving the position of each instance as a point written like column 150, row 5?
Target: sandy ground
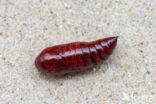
column 127, row 77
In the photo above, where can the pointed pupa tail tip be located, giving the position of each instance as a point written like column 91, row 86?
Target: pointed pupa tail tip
column 113, row 42
column 116, row 37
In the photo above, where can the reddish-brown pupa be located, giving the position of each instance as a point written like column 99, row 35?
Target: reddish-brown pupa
column 75, row 56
